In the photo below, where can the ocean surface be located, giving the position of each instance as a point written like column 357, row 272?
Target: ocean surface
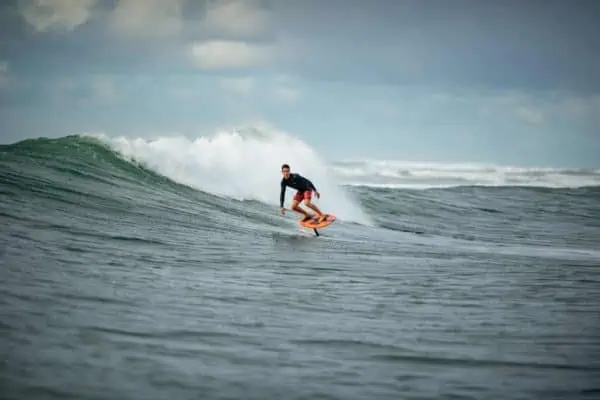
column 135, row 269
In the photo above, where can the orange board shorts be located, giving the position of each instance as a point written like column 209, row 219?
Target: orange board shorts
column 303, row 194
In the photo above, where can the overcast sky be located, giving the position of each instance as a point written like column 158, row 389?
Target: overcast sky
column 513, row 82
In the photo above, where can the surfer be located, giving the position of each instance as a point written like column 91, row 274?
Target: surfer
column 304, row 189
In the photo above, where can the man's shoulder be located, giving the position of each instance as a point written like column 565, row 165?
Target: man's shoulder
column 292, row 176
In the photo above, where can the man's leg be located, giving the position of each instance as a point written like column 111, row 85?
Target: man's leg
column 309, row 204
column 297, row 208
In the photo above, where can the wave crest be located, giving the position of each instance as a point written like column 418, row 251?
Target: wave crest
column 241, row 164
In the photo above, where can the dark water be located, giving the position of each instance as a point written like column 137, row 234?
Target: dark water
column 117, row 283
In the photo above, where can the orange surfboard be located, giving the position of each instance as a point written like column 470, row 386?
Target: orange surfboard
column 314, row 224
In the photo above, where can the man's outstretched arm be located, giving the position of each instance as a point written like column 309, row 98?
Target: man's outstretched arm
column 282, row 195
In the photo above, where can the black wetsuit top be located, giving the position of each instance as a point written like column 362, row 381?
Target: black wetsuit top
column 297, row 182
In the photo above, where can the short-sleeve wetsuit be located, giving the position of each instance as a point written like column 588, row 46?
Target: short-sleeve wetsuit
column 298, row 182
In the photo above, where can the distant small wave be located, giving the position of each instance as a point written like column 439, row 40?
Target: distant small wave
column 412, row 175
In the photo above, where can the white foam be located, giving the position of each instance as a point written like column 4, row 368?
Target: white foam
column 242, row 165
column 399, row 174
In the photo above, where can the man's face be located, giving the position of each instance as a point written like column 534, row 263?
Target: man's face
column 285, row 172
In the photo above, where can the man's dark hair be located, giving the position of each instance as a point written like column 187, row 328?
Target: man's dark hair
column 285, row 166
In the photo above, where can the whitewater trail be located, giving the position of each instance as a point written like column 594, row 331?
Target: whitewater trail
column 241, row 165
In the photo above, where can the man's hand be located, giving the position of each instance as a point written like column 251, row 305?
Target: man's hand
column 317, row 194
column 282, row 210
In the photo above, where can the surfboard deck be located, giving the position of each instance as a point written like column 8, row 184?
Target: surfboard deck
column 313, row 224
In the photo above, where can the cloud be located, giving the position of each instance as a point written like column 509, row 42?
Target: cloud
column 238, row 18
column 147, row 17
column 287, row 94
column 279, row 89
column 224, row 54
column 386, row 42
column 579, row 107
column 242, row 85
column 523, row 105
column 531, row 115
column 231, row 19
column 94, row 90
column 284, row 90
column 57, row 15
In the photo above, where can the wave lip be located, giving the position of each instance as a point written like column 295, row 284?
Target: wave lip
column 400, row 174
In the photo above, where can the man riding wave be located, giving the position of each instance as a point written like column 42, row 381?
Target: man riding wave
column 304, row 189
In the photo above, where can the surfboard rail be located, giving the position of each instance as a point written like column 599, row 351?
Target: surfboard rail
column 314, row 224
